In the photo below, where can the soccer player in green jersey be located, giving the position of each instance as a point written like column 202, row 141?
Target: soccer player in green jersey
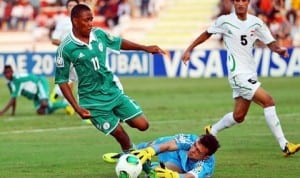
column 35, row 88
column 100, row 99
column 240, row 31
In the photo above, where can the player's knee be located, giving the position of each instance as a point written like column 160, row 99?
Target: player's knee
column 239, row 118
column 142, row 126
column 139, row 123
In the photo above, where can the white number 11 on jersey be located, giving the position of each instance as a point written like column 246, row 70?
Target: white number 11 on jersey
column 95, row 63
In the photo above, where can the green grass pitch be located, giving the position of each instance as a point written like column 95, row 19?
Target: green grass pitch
column 58, row 145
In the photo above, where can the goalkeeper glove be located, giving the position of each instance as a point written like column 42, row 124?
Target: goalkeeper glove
column 144, row 154
column 166, row 173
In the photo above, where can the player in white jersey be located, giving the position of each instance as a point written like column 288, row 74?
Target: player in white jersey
column 240, row 31
column 63, row 24
column 62, row 28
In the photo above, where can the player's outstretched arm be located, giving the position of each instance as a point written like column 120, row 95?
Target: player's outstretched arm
column 129, row 45
column 145, row 154
column 12, row 103
column 277, row 49
column 200, row 39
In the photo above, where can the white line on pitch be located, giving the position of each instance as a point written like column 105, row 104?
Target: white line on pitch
column 85, row 127
column 43, row 130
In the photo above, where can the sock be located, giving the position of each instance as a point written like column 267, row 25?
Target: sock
column 147, row 167
column 133, row 147
column 226, row 122
column 274, row 124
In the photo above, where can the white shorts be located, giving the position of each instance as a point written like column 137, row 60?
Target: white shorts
column 244, row 85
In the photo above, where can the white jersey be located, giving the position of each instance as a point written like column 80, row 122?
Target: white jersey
column 62, row 28
column 239, row 38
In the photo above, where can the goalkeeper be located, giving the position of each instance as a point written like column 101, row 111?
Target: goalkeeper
column 183, row 155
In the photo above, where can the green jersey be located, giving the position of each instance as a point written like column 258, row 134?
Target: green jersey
column 30, row 86
column 35, row 88
column 95, row 80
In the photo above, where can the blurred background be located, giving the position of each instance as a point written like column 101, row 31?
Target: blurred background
column 26, row 25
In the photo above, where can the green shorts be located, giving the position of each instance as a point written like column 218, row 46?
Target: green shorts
column 107, row 116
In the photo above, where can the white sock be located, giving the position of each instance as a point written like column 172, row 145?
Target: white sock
column 226, row 122
column 58, row 91
column 274, row 124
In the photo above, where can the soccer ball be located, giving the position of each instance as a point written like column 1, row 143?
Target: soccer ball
column 128, row 166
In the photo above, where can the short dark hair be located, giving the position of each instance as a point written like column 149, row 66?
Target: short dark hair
column 7, row 67
column 210, row 142
column 78, row 9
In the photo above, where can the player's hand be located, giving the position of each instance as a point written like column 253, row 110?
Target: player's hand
column 166, row 173
column 144, row 154
column 186, row 57
column 283, row 52
column 155, row 49
column 84, row 113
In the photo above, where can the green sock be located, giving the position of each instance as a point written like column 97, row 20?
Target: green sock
column 147, row 167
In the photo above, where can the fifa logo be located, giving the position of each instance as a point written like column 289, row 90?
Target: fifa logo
column 59, row 62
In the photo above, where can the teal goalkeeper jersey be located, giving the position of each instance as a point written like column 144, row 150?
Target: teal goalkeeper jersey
column 198, row 168
column 94, row 78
